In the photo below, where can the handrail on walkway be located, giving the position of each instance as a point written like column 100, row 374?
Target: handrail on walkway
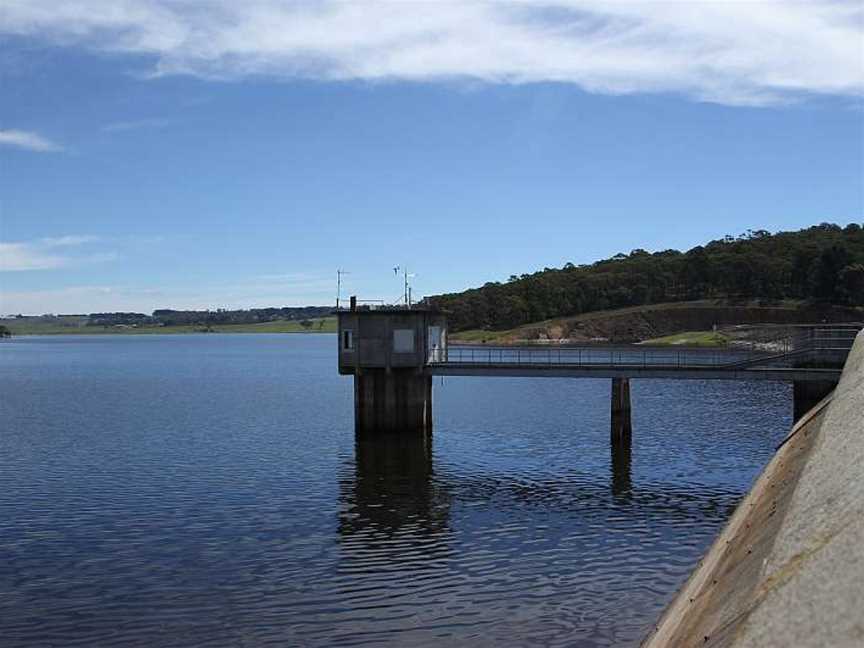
column 813, row 346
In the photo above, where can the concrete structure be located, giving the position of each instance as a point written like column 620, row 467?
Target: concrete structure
column 622, row 427
column 387, row 351
column 812, row 359
column 393, row 352
column 788, row 569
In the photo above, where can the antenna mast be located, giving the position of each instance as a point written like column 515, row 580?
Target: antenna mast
column 339, row 274
column 406, row 295
column 408, row 287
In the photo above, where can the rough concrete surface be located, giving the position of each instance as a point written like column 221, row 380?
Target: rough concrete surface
column 788, row 569
column 814, row 579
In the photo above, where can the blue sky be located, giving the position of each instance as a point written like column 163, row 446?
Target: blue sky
column 193, row 155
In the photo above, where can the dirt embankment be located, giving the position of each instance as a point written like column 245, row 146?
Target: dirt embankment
column 637, row 324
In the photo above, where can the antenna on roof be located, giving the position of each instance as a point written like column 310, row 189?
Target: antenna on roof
column 339, row 274
column 406, row 294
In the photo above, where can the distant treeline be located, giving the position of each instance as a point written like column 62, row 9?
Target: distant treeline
column 824, row 263
column 166, row 317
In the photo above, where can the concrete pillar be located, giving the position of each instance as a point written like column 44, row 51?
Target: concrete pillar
column 621, row 426
column 806, row 394
column 398, row 400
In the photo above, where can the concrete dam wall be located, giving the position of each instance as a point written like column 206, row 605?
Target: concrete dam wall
column 788, row 568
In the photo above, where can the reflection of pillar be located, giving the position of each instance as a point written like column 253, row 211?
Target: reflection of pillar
column 621, row 426
column 392, row 487
column 396, row 400
column 621, row 458
column 621, row 434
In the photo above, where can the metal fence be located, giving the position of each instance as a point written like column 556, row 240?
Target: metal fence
column 794, row 347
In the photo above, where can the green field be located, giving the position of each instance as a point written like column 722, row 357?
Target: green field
column 485, row 337
column 691, row 338
column 76, row 327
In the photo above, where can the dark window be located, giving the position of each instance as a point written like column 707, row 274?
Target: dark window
column 347, row 340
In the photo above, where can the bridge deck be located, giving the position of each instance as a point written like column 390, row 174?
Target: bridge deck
column 601, row 371
column 823, row 362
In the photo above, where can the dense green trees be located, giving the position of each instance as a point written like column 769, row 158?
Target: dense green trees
column 821, row 263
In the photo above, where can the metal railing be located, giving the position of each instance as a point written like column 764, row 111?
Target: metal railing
column 813, row 345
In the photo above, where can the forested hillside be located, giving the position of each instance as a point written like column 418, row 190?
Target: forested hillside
column 824, row 263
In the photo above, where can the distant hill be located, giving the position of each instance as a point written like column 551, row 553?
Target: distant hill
column 167, row 318
column 823, row 264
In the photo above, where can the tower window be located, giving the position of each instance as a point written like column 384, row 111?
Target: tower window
column 403, row 341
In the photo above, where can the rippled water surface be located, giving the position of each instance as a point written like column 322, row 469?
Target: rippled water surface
column 209, row 490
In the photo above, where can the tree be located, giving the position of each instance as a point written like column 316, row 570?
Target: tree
column 818, row 263
column 851, row 280
column 826, row 272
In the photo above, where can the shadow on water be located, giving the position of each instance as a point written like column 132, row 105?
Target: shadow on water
column 621, row 464
column 431, row 551
column 393, row 489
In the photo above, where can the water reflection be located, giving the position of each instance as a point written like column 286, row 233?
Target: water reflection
column 620, row 447
column 393, row 488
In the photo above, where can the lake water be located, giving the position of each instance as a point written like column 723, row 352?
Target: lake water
column 208, row 490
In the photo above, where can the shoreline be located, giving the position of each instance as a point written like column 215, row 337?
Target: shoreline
column 170, row 331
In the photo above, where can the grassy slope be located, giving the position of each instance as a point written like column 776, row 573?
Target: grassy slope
column 478, row 335
column 692, row 338
column 24, row 327
column 525, row 332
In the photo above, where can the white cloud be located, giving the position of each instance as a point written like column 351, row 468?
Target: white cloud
column 26, row 139
column 735, row 52
column 69, row 240
column 49, row 254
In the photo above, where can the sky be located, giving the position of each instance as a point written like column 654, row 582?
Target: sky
column 178, row 154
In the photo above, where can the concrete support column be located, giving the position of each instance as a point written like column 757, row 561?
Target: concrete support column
column 806, row 394
column 621, row 435
column 621, row 426
column 398, row 400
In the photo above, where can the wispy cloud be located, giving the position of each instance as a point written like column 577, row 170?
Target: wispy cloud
column 138, row 124
column 734, row 52
column 304, row 278
column 69, row 240
column 50, row 253
column 27, row 140
column 104, row 298
column 72, row 299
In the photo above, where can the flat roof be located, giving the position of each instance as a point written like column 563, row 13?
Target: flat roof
column 385, row 310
